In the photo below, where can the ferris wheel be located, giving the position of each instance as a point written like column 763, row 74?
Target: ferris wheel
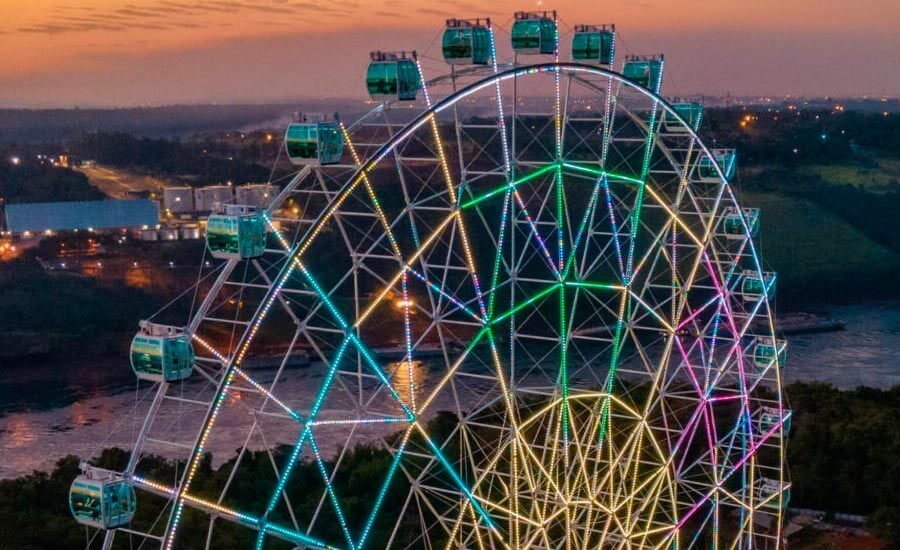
column 516, row 305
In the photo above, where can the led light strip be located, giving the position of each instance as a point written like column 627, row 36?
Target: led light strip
column 502, row 115
column 407, row 339
column 451, row 190
column 217, row 404
column 306, row 432
column 371, row 192
column 456, row 301
column 240, row 517
column 560, row 196
column 351, row 337
column 293, row 414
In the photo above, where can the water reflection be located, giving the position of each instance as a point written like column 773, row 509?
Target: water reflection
column 49, row 411
column 408, row 378
column 18, row 433
column 863, row 355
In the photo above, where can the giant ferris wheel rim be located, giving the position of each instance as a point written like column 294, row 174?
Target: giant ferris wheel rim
column 439, row 106
column 506, row 74
column 353, row 174
column 514, row 71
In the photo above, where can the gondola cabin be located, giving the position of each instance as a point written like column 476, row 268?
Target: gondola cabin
column 690, row 111
column 733, row 223
column 238, row 233
column 594, row 44
column 773, row 494
column 755, row 286
column 534, row 33
column 726, row 159
column 393, row 75
column 161, row 353
column 769, row 353
column 644, row 70
column 769, row 418
column 102, row 499
column 467, row 42
column 313, row 143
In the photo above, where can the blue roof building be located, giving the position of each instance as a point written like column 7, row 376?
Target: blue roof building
column 68, row 216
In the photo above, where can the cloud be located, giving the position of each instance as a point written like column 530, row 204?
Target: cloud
column 59, row 29
column 390, row 14
column 275, row 9
column 186, row 25
column 159, row 16
column 135, row 13
column 461, row 10
column 432, row 11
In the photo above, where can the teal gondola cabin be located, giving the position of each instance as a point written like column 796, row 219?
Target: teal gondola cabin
column 313, row 143
column 467, row 42
column 393, row 75
column 534, row 33
column 161, row 353
column 733, row 223
column 238, row 233
column 102, row 499
column 594, row 44
column 644, row 70
column 755, row 286
column 690, row 111
column 726, row 159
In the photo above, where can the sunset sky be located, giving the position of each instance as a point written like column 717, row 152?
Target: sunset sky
column 122, row 53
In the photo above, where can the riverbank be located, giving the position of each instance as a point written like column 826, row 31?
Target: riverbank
column 51, row 409
column 841, row 455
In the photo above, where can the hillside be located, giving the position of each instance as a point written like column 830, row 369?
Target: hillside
column 819, row 257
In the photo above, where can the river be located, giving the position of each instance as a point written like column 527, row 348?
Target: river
column 48, row 411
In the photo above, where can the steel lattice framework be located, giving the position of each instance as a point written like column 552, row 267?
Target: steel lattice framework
column 532, row 305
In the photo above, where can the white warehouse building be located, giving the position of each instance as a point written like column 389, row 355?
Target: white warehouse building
column 260, row 194
column 178, row 200
column 207, row 199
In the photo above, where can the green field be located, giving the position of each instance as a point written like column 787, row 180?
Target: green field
column 819, row 257
column 877, row 178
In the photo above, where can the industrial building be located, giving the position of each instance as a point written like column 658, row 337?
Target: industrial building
column 183, row 232
column 207, row 199
column 178, row 200
column 260, row 195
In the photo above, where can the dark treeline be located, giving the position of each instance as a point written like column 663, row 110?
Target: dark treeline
column 27, row 125
column 65, row 313
column 843, row 453
column 819, row 136
column 189, row 162
column 43, row 125
column 31, row 180
column 842, row 456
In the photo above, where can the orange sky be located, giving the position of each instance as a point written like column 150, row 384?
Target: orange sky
column 107, row 52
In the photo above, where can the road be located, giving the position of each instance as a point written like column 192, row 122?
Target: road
column 121, row 184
